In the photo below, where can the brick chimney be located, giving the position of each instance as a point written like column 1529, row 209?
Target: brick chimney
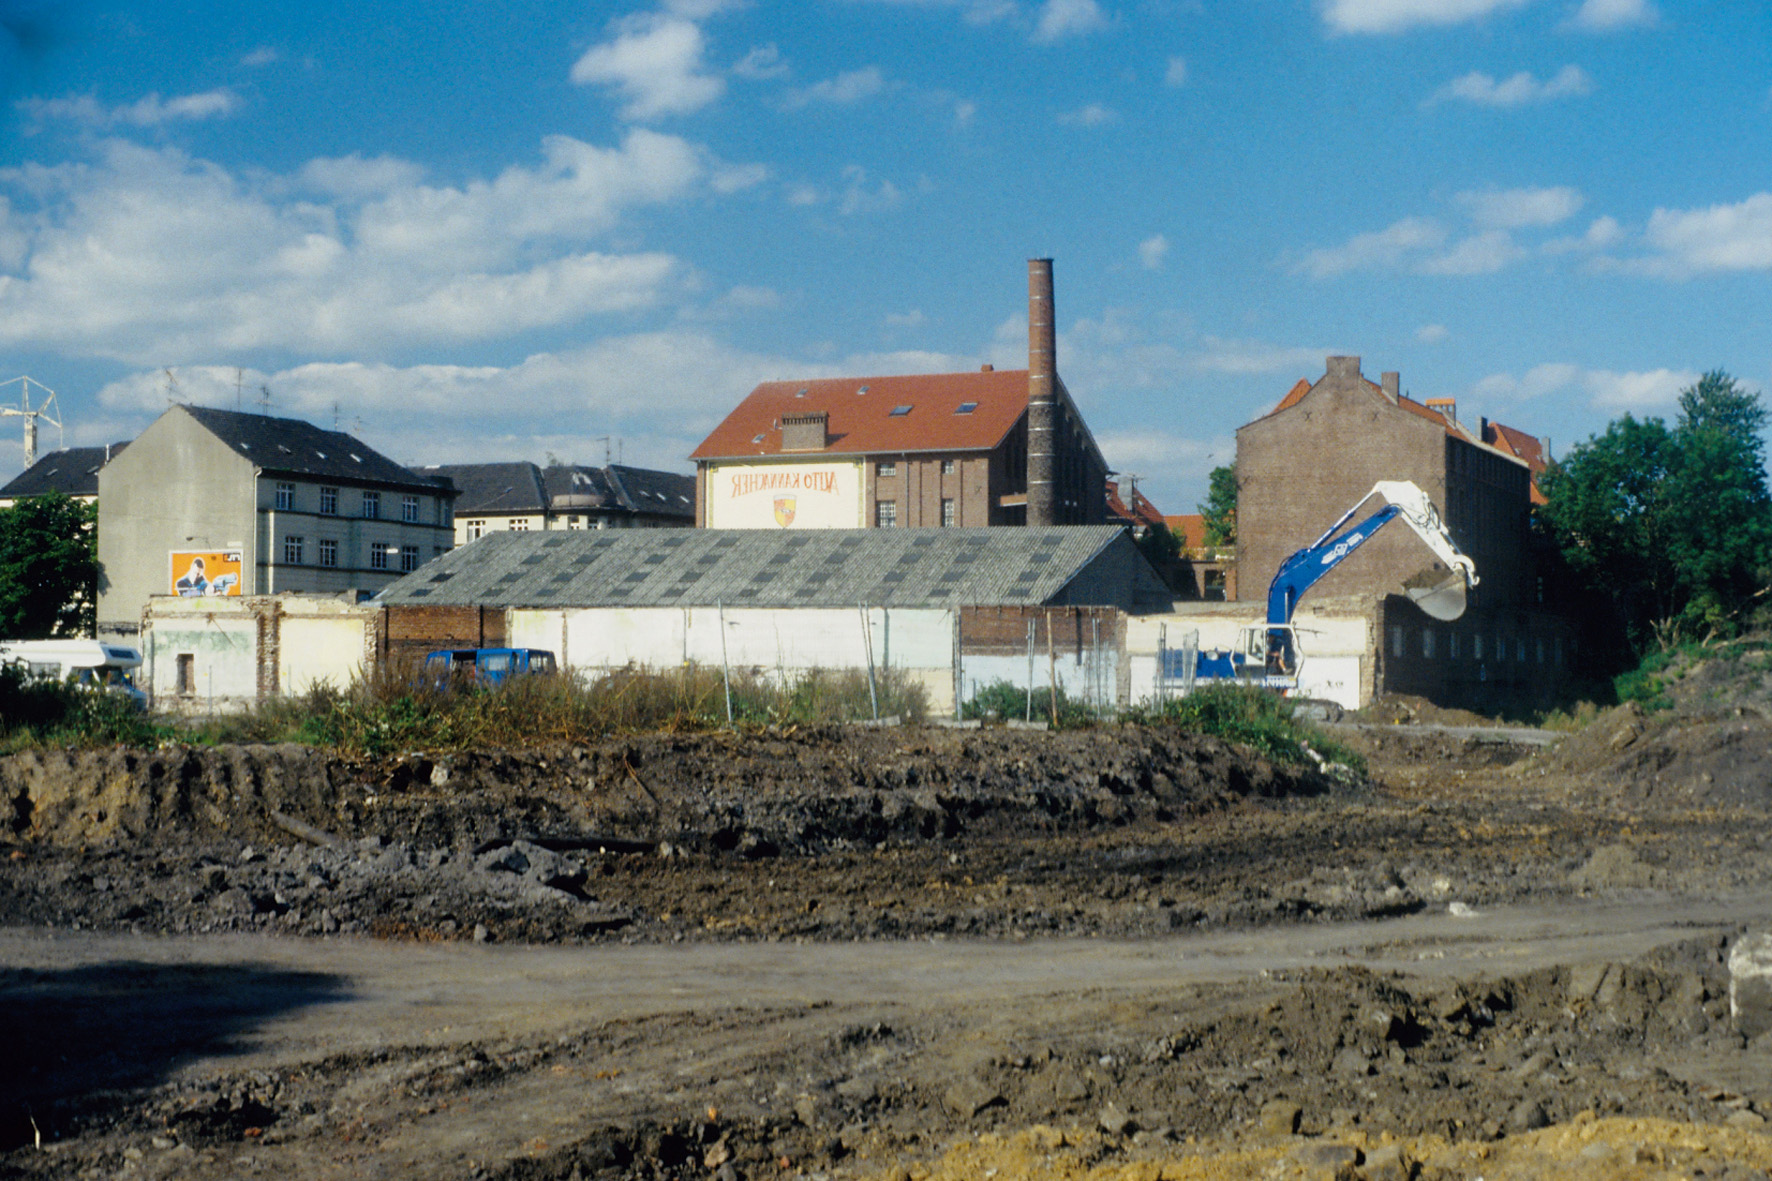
column 1392, row 384
column 1446, row 406
column 805, row 432
column 1042, row 508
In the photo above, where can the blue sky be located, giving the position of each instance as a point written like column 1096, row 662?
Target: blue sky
column 488, row 232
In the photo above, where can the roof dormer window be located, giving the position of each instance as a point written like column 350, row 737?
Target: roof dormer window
column 898, row 412
column 966, row 408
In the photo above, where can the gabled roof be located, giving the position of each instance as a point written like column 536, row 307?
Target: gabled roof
column 72, row 471
column 1528, row 449
column 1190, row 528
column 861, row 419
column 766, row 568
column 1141, row 512
column 289, row 446
column 493, row 487
column 645, row 490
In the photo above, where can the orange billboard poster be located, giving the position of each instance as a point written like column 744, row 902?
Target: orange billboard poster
column 201, row 573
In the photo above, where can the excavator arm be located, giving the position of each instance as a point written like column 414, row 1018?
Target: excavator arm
column 1440, row 594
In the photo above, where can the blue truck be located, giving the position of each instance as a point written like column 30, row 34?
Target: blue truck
column 486, row 666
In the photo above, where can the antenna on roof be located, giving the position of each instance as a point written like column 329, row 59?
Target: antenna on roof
column 43, row 410
column 264, row 399
column 171, row 387
column 604, row 439
column 335, row 414
column 239, row 381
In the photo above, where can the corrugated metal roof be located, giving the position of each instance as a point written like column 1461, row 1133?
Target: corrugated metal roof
column 759, row 568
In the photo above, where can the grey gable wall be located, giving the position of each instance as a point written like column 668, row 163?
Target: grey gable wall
column 176, row 487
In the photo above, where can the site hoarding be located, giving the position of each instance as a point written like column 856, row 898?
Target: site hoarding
column 785, row 496
column 195, row 574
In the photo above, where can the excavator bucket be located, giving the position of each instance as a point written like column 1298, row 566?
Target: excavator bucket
column 1440, row 593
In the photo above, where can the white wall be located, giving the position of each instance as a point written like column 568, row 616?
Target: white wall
column 1334, row 634
column 788, row 641
column 224, row 661
column 321, row 650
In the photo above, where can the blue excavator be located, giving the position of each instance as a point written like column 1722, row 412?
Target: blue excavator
column 1268, row 655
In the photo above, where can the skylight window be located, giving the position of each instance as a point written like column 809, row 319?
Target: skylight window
column 801, row 394
column 321, row 454
column 861, row 391
column 757, row 439
column 899, row 412
column 966, row 408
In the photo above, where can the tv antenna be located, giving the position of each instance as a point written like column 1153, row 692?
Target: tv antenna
column 264, row 399
column 239, row 381
column 171, row 390
column 45, row 409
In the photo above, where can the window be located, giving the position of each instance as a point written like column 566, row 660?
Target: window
column 328, row 551
column 409, row 508
column 1452, row 646
column 947, row 467
column 886, row 514
column 966, row 408
column 371, row 506
column 1477, row 646
column 187, row 674
column 329, row 502
column 1396, row 639
column 1427, row 643
column 378, row 556
column 408, row 559
column 292, row 547
column 888, row 469
column 519, row 524
column 475, row 529
column 285, row 497
column 947, row 511
column 898, row 412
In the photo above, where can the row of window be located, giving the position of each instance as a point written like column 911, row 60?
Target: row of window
column 1498, row 651
column 889, row 468
column 886, row 513
column 295, row 549
column 371, row 503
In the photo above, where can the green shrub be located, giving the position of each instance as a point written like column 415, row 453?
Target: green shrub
column 1005, row 701
column 55, row 713
column 1254, row 718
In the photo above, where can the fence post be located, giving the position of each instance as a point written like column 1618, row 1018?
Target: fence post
column 1030, row 701
column 867, row 639
column 725, row 668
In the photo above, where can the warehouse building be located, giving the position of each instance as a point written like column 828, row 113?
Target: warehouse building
column 949, row 607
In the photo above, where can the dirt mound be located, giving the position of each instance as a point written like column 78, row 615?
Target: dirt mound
column 1669, row 760
column 805, row 791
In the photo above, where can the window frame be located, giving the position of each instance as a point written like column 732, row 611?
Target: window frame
column 328, row 501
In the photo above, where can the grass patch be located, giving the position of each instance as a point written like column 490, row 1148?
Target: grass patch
column 1254, row 718
column 1004, row 701
column 35, row 713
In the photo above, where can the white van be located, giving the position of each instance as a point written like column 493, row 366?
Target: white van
column 88, row 662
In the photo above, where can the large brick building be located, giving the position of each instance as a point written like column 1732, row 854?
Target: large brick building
column 995, row 447
column 1303, row 464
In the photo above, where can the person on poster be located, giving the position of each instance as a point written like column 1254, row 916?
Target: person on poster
column 194, row 583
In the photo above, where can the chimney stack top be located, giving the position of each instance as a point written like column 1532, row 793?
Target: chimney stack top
column 1392, row 383
column 1343, row 366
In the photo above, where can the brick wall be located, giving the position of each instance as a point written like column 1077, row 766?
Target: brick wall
column 1003, row 631
column 408, row 633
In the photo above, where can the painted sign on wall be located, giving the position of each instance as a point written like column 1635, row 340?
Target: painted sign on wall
column 785, row 496
column 205, row 573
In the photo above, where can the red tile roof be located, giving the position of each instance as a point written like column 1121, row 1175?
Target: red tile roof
column 861, row 420
column 1140, row 512
column 1191, row 528
column 1528, row 449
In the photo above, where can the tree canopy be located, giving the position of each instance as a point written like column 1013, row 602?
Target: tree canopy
column 49, row 568
column 1670, row 526
column 1220, row 506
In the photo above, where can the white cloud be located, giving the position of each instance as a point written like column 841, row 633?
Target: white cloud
column 1093, row 115
column 264, row 55
column 1221, row 355
column 1431, row 333
column 1604, row 389
column 1483, row 90
column 911, row 319
column 1164, row 455
column 965, row 111
column 1394, row 16
column 1603, row 16
column 859, row 196
column 1480, row 254
column 1721, row 238
column 761, row 63
column 150, row 255
column 843, row 90
column 1175, row 74
column 655, row 64
column 1382, row 249
column 1602, row 234
column 148, row 111
column 1059, row 19
column 1512, row 209
column 1152, row 251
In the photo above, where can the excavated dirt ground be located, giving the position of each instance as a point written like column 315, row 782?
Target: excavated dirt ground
column 1611, row 1068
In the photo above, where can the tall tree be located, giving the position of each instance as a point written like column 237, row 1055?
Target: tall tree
column 1672, row 527
column 49, row 568
column 1220, row 506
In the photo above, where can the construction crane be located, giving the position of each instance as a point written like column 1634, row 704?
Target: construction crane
column 46, row 410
